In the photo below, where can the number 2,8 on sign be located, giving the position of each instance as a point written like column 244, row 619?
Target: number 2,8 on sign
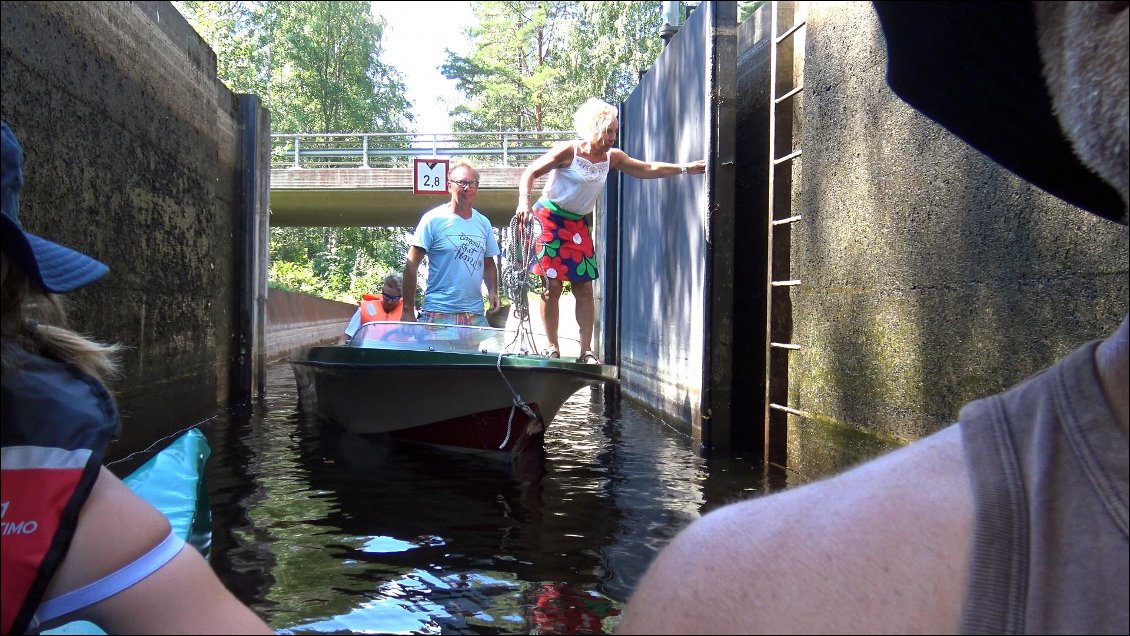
column 429, row 176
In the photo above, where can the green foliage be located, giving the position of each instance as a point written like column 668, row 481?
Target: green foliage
column 533, row 63
column 293, row 277
column 609, row 45
column 338, row 263
column 233, row 31
column 315, row 65
column 326, row 58
column 317, row 68
column 746, row 9
column 510, row 73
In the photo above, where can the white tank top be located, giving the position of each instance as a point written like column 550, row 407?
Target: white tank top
column 576, row 187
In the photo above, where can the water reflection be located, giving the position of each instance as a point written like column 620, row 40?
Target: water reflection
column 323, row 531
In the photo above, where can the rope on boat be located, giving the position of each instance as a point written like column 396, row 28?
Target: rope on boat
column 517, row 281
column 515, row 405
column 154, row 444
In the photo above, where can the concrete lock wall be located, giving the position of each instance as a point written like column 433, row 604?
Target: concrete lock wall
column 297, row 320
column 931, row 276
column 133, row 156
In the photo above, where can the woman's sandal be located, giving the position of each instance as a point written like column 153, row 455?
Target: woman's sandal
column 588, row 357
column 551, row 352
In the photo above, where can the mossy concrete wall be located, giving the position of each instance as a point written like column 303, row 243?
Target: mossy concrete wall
column 930, row 276
column 132, row 156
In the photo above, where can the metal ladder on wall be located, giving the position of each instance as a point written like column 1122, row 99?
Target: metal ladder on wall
column 786, row 55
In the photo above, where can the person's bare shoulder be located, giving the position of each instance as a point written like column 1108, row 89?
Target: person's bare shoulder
column 183, row 596
column 115, row 527
column 559, row 155
column 881, row 548
column 562, row 153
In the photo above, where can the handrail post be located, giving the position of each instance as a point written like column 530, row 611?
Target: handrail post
column 505, row 148
column 364, row 150
column 296, row 140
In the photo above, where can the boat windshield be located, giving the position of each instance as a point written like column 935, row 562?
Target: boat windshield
column 418, row 336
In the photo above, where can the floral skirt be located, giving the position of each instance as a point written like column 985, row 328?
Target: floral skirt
column 564, row 250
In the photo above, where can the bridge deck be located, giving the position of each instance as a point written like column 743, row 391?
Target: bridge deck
column 365, row 179
column 326, row 197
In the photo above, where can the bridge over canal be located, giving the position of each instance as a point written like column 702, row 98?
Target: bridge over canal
column 365, row 179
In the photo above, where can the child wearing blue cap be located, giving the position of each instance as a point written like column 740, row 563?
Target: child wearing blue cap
column 76, row 542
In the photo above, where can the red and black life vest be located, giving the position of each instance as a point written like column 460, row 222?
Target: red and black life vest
column 57, row 423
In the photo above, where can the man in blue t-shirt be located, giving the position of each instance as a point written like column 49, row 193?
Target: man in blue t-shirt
column 460, row 247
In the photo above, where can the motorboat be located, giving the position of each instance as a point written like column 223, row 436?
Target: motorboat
column 476, row 389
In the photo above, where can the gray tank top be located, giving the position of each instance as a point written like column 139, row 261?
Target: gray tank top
column 1048, row 465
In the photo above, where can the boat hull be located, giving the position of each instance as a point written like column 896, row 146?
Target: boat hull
column 508, row 431
column 465, row 401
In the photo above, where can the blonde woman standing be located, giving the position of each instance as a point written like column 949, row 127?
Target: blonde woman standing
column 578, row 171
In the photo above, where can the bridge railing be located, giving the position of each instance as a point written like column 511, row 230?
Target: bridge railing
column 396, row 150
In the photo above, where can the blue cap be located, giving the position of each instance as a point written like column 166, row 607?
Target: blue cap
column 56, row 268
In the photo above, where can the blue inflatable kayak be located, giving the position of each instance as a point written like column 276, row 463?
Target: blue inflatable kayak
column 173, row 481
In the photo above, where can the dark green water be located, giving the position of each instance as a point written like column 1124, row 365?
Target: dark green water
column 325, row 532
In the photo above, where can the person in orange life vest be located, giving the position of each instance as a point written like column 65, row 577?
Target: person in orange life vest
column 388, row 305
column 77, row 543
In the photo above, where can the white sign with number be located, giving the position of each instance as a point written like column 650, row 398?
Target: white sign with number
column 429, row 176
